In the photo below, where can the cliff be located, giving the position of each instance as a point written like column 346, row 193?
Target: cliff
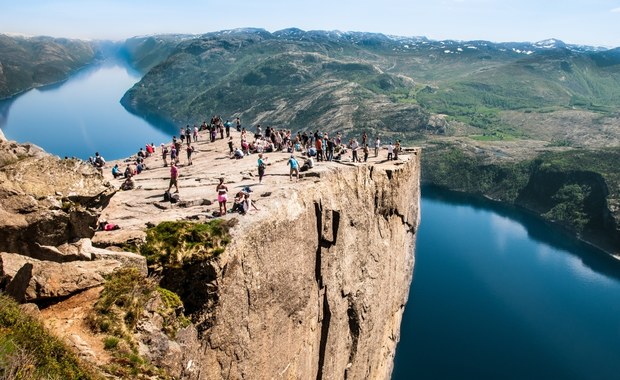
column 312, row 285
column 577, row 189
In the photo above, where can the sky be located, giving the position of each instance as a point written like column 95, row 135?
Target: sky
column 588, row 22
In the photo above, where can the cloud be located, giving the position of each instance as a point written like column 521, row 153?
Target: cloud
column 615, row 10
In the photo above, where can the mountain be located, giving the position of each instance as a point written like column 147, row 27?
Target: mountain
column 355, row 80
column 28, row 62
column 277, row 78
column 145, row 52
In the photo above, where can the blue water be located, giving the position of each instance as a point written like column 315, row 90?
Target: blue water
column 82, row 115
column 498, row 294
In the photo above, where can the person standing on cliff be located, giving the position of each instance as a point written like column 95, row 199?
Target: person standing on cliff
column 261, row 167
column 292, row 162
column 222, row 196
column 173, row 153
column 397, row 149
column 354, row 145
column 174, row 177
column 377, row 146
column 227, row 125
column 190, row 150
column 238, row 122
column 164, row 154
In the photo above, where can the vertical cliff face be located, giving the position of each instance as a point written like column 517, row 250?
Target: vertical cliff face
column 317, row 288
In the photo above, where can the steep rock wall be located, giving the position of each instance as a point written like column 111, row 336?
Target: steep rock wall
column 317, row 288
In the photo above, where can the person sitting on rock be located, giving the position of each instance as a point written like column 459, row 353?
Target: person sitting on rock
column 247, row 204
column 238, row 153
column 245, row 147
column 150, row 149
column 140, row 167
column 237, row 203
column 128, row 172
column 116, row 172
column 308, row 164
column 129, row 183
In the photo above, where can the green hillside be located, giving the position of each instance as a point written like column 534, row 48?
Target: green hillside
column 26, row 63
column 355, row 81
column 298, row 84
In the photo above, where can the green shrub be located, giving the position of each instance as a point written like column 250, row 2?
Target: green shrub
column 110, row 343
column 172, row 244
column 122, row 301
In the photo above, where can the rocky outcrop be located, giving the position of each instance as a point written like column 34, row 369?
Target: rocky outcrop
column 313, row 284
column 48, row 212
column 30, row 280
column 46, row 201
column 317, row 288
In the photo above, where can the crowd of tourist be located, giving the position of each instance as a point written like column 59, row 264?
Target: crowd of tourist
column 318, row 146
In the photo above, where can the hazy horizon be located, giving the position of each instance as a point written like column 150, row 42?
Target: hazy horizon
column 593, row 22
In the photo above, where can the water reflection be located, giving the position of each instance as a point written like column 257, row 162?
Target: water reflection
column 518, row 220
column 497, row 293
column 5, row 106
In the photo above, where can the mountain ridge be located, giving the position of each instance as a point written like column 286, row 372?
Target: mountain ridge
column 448, row 66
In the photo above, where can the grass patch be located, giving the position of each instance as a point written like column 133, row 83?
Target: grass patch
column 173, row 244
column 122, row 303
column 29, row 351
column 110, row 343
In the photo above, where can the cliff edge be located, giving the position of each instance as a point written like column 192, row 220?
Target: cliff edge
column 313, row 283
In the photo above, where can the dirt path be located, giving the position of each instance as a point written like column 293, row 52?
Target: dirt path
column 67, row 320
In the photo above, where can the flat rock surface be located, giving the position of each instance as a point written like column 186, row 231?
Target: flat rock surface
column 132, row 209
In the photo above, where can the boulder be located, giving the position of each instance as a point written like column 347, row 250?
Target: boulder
column 64, row 253
column 34, row 280
column 46, row 201
column 84, row 249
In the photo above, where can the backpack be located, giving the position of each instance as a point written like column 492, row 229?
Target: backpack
column 174, row 198
column 167, row 196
